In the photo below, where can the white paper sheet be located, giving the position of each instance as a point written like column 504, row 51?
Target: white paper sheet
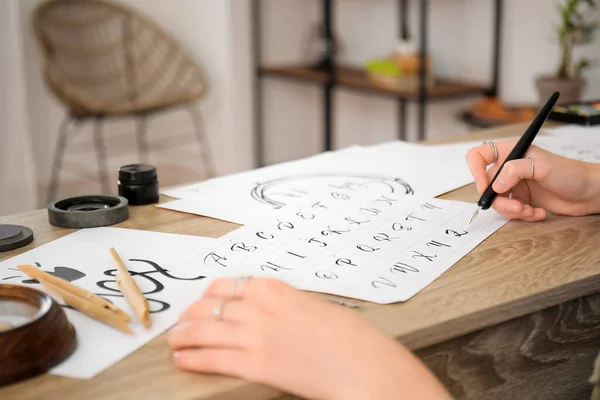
column 574, row 142
column 570, row 148
column 575, row 133
column 384, row 251
column 568, row 141
column 83, row 257
column 454, row 150
column 249, row 197
column 275, row 170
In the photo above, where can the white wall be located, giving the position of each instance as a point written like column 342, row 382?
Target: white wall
column 460, row 43
column 17, row 181
column 217, row 34
column 205, row 30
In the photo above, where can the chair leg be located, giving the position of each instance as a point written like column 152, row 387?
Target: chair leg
column 61, row 143
column 142, row 138
column 206, row 153
column 101, row 156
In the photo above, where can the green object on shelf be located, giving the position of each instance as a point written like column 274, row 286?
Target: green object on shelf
column 383, row 67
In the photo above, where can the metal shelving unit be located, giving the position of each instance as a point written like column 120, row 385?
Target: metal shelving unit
column 331, row 76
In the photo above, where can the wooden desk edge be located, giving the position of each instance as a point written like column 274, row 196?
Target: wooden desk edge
column 492, row 316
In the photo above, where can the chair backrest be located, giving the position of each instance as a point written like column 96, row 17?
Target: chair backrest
column 103, row 58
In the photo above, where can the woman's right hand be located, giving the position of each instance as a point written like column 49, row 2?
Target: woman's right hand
column 560, row 185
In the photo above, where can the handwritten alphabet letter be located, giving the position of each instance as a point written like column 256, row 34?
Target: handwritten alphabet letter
column 383, row 251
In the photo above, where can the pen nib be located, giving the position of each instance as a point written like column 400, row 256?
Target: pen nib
column 472, row 219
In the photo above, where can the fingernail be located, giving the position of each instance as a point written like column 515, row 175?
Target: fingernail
column 176, row 354
column 478, row 185
column 513, row 207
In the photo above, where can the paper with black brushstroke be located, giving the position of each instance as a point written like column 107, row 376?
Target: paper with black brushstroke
column 83, row 258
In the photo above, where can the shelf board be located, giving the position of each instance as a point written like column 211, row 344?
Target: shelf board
column 356, row 78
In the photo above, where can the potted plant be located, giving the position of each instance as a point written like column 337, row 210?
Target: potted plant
column 577, row 26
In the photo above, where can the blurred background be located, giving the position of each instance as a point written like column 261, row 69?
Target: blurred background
column 204, row 88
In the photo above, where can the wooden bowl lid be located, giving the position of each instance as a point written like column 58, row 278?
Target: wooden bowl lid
column 35, row 334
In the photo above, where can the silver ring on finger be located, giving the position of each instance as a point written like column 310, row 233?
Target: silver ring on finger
column 239, row 284
column 532, row 168
column 494, row 148
column 219, row 309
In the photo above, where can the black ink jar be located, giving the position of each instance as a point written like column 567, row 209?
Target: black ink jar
column 138, row 183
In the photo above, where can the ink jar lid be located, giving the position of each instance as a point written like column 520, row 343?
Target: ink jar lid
column 137, row 174
column 138, row 183
column 14, row 236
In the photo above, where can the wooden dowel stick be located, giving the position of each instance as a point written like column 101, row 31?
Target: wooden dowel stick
column 38, row 274
column 131, row 291
column 92, row 310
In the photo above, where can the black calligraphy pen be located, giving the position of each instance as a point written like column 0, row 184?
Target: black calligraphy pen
column 488, row 196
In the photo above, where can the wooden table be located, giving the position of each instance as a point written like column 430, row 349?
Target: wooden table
column 517, row 318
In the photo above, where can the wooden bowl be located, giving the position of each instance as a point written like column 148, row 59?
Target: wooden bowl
column 37, row 337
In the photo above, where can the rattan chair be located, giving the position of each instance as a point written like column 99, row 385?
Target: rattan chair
column 104, row 60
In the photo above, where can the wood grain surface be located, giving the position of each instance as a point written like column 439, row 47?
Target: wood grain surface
column 545, row 355
column 34, row 348
column 521, row 269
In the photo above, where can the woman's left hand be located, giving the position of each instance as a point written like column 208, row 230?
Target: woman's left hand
column 265, row 331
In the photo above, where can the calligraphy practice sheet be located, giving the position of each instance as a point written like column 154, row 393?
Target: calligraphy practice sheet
column 383, row 252
column 570, row 148
column 575, row 133
column 579, row 143
column 249, row 197
column 311, row 163
column 83, row 258
column 457, row 151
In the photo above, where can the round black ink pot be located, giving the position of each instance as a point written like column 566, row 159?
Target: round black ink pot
column 138, row 183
